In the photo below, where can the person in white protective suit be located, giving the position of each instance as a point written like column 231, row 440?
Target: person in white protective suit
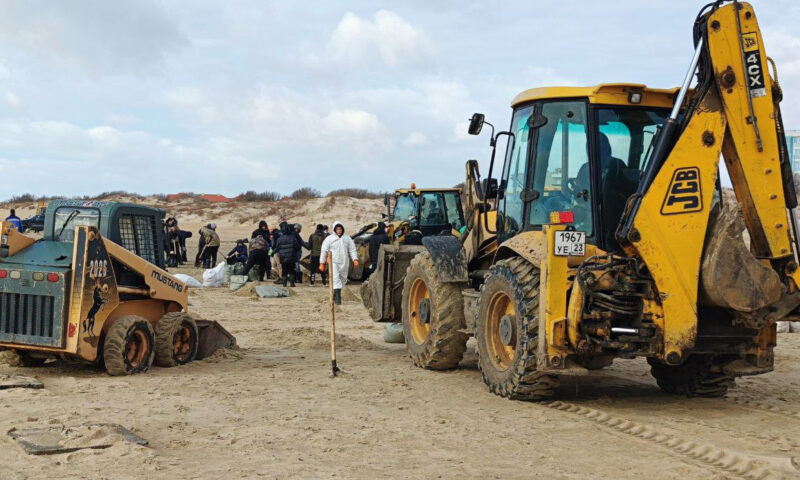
column 342, row 250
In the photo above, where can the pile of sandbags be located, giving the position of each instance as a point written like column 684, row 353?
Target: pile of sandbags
column 214, row 277
column 788, row 327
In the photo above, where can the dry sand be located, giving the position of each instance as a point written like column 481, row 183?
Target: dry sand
column 271, row 410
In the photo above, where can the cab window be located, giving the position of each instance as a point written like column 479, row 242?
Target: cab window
column 452, row 202
column 514, row 173
column 624, row 141
column 67, row 218
column 433, row 210
column 561, row 180
column 405, row 208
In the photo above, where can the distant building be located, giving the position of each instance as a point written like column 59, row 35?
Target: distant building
column 793, row 139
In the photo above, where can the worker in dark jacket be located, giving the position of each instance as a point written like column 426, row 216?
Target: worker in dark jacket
column 238, row 254
column 15, row 220
column 263, row 230
column 378, row 238
column 315, row 246
column 287, row 247
column 298, row 274
column 259, row 255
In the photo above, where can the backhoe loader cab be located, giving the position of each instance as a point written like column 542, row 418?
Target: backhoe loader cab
column 605, row 238
column 92, row 289
column 577, row 154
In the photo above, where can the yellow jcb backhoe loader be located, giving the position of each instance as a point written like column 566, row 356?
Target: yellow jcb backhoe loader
column 607, row 235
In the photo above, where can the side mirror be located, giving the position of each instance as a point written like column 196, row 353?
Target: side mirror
column 386, row 199
column 476, row 123
column 537, row 121
column 489, row 187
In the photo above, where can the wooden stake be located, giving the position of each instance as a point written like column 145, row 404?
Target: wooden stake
column 329, row 266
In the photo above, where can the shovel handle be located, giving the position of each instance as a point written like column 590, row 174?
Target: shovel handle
column 329, row 263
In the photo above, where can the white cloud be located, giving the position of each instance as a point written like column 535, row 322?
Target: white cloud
column 357, row 128
column 387, row 37
column 96, row 36
column 415, row 139
column 11, row 100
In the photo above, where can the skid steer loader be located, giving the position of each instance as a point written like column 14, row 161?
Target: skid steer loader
column 607, row 235
column 94, row 289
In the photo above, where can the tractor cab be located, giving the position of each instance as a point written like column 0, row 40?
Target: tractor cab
column 428, row 210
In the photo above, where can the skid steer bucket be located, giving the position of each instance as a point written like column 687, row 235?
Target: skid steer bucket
column 213, row 336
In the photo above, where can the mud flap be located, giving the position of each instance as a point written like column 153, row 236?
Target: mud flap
column 448, row 256
column 213, row 336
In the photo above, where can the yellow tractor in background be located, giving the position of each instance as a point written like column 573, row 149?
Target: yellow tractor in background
column 607, row 235
column 94, row 289
column 411, row 213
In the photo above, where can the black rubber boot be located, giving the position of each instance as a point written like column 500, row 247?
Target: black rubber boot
column 337, row 296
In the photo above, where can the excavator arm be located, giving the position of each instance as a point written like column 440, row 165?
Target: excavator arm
column 674, row 223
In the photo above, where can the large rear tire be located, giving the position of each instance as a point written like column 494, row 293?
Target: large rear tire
column 433, row 315
column 698, row 376
column 507, row 330
column 129, row 346
column 177, row 339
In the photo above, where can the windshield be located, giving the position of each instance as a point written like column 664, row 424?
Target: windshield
column 67, row 218
column 625, row 140
column 405, row 208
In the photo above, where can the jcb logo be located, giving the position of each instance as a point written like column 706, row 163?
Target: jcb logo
column 684, row 193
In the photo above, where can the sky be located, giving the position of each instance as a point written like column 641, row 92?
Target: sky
column 227, row 96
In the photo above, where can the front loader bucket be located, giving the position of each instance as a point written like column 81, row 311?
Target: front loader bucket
column 213, row 336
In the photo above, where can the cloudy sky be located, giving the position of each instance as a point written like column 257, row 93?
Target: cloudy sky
column 227, row 96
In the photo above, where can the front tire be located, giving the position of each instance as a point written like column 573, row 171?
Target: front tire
column 698, row 376
column 433, row 315
column 177, row 339
column 129, row 346
column 507, row 329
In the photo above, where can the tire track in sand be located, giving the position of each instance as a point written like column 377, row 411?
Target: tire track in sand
column 774, row 409
column 743, row 465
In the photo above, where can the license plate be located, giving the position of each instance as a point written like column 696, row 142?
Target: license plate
column 570, row 244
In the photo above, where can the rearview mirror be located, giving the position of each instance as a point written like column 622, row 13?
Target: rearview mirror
column 489, row 187
column 537, row 121
column 476, row 123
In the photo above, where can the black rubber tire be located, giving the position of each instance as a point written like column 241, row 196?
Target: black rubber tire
column 167, row 327
column 445, row 345
column 698, row 376
column 519, row 280
column 116, row 341
column 27, row 361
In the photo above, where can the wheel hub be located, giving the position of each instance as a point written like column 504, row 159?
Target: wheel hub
column 506, row 330
column 424, row 310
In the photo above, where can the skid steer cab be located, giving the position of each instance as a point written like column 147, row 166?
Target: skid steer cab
column 94, row 289
column 605, row 235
